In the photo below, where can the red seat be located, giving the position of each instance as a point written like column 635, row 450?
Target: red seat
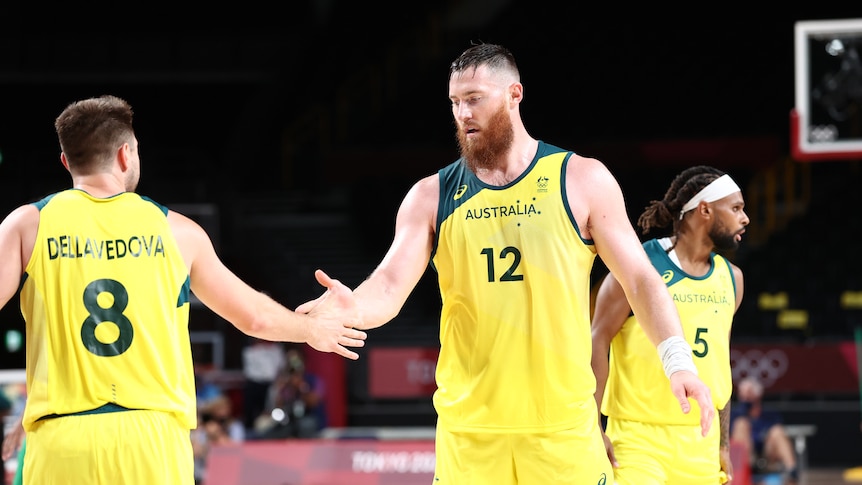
column 741, row 465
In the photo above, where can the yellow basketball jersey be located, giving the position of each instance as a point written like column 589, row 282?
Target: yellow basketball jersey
column 637, row 388
column 514, row 278
column 105, row 298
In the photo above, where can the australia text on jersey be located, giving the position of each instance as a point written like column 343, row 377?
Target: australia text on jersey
column 517, row 209
column 700, row 298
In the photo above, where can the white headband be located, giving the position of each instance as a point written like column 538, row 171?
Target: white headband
column 717, row 189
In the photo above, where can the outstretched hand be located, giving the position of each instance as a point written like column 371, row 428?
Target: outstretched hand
column 309, row 305
column 685, row 385
column 334, row 316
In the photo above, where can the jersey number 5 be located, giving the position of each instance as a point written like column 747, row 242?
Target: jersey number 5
column 701, row 341
column 113, row 313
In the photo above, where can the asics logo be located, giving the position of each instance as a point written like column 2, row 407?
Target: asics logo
column 460, row 192
column 667, row 276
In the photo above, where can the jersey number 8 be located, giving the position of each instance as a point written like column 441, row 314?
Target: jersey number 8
column 99, row 314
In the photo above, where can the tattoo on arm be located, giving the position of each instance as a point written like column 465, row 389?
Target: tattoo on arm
column 724, row 424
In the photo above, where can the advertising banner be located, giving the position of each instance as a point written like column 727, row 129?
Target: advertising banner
column 322, row 462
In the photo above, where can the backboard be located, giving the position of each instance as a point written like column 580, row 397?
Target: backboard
column 826, row 121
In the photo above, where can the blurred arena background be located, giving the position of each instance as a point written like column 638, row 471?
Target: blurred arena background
column 292, row 137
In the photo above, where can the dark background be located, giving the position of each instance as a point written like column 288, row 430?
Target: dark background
column 216, row 89
column 301, row 126
column 292, row 130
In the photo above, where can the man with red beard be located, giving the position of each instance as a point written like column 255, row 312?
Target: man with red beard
column 648, row 439
column 512, row 229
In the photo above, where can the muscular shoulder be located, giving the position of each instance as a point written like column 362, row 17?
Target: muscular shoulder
column 24, row 217
column 183, row 226
column 423, row 197
column 20, row 227
column 587, row 173
column 737, row 272
column 739, row 283
column 428, row 186
column 590, row 187
column 191, row 238
column 23, row 223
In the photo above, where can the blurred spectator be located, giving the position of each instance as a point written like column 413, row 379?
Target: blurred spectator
column 205, row 389
column 761, row 433
column 219, row 422
column 294, row 407
column 13, row 445
column 200, row 450
column 262, row 361
column 5, row 414
column 217, row 426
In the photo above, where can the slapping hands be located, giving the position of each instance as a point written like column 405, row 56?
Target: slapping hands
column 334, row 315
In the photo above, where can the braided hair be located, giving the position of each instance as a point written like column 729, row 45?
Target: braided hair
column 660, row 213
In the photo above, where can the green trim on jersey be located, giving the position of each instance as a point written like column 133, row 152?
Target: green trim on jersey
column 637, row 388
column 458, row 184
column 514, row 277
column 105, row 303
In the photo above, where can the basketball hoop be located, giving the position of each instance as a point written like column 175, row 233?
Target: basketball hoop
column 826, row 122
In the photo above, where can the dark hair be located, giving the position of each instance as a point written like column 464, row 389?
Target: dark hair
column 91, row 130
column 661, row 213
column 492, row 55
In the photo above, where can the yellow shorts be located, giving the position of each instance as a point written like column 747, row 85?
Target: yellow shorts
column 117, row 448
column 570, row 457
column 650, row 454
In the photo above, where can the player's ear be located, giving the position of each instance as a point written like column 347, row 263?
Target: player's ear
column 124, row 154
column 516, row 92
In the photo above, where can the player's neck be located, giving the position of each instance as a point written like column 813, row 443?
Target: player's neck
column 100, row 185
column 693, row 256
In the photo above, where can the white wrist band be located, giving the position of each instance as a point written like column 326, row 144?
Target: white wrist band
column 675, row 354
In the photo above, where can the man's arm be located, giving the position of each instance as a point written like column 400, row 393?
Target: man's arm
column 620, row 249
column 724, row 441
column 382, row 295
column 328, row 328
column 611, row 311
column 17, row 237
column 739, row 281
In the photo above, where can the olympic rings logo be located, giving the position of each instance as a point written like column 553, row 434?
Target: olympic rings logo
column 822, row 134
column 767, row 366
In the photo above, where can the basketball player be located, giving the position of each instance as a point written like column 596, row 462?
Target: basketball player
column 105, row 279
column 647, row 437
column 512, row 229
